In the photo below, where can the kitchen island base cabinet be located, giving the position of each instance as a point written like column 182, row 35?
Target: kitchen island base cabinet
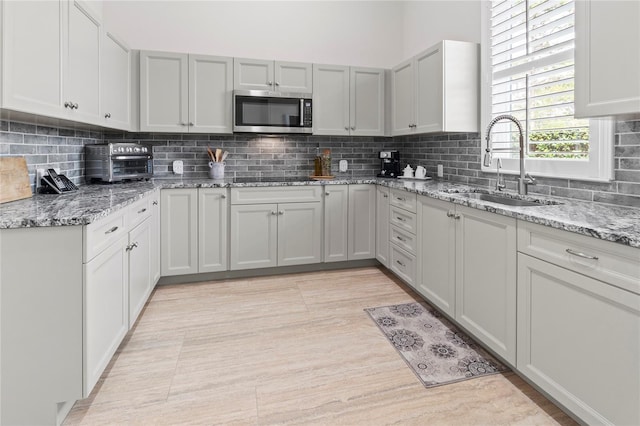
column 41, row 322
column 105, row 313
column 579, row 340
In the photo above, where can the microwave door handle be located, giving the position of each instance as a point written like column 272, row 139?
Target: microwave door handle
column 301, row 112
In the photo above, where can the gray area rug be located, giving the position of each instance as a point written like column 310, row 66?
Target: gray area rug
column 436, row 351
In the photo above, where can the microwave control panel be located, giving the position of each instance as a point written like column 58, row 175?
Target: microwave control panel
column 307, row 113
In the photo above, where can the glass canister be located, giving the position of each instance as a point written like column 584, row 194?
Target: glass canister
column 317, row 164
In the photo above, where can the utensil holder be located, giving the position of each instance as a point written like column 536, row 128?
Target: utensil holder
column 216, row 170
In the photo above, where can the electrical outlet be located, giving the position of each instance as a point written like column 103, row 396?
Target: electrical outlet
column 39, row 174
column 440, row 170
column 343, row 165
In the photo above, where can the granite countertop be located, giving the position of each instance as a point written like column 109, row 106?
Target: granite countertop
column 92, row 202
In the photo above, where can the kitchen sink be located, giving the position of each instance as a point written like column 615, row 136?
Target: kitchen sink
column 506, row 200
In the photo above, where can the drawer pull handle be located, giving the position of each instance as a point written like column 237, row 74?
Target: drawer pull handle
column 385, row 196
column 142, row 211
column 400, row 219
column 401, row 199
column 109, row 231
column 400, row 263
column 400, row 238
column 579, row 254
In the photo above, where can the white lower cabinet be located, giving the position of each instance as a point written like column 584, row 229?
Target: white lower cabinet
column 213, row 205
column 140, row 278
column 467, row 263
column 106, row 310
column 382, row 225
column 362, row 222
column 336, row 223
column 274, row 234
column 579, row 340
column 179, row 231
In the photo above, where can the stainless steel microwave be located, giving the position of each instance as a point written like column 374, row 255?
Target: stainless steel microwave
column 261, row 111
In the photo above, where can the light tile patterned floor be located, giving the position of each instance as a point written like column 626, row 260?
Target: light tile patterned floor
column 289, row 349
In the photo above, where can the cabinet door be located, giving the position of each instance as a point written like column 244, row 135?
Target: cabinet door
column 382, row 225
column 140, row 285
column 155, row 238
column 579, row 340
column 33, row 36
column 330, row 100
column 179, row 231
column 436, row 253
column 299, row 233
column 253, row 74
column 210, row 92
column 367, row 102
column 336, row 219
column 164, row 92
column 254, row 236
column 293, row 77
column 213, row 205
column 82, row 76
column 106, row 309
column 428, row 91
column 115, row 83
column 607, row 81
column 362, row 222
column 402, row 98
column 486, row 278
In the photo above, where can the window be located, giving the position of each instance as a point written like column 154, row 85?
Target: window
column 528, row 72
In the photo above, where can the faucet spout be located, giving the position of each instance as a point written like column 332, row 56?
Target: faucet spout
column 525, row 179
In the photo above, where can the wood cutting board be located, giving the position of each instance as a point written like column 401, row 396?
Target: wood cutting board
column 14, row 179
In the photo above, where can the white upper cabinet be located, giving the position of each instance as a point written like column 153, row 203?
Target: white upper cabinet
column 51, row 59
column 82, row 79
column 348, row 100
column 437, row 90
column 285, row 77
column 607, row 58
column 115, row 83
column 32, row 56
column 185, row 93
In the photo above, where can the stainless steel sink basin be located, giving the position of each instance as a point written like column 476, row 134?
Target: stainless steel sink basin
column 500, row 199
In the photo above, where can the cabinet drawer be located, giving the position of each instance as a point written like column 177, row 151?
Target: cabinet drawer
column 403, row 239
column 139, row 211
column 402, row 219
column 402, row 264
column 403, row 199
column 276, row 194
column 610, row 262
column 101, row 234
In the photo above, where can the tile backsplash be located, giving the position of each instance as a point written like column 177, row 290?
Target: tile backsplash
column 292, row 156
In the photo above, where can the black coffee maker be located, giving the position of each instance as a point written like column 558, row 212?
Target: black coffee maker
column 390, row 164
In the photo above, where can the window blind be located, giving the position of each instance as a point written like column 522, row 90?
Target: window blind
column 532, row 69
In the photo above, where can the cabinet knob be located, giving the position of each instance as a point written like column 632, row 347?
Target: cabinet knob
column 155, row 203
column 223, row 196
column 353, row 127
column 270, row 83
column 107, row 115
column 67, row 104
column 183, row 124
column 385, row 195
column 281, row 212
column 346, row 128
column 74, row 106
column 274, row 213
column 277, row 84
column 326, row 193
column 450, row 214
column 190, row 123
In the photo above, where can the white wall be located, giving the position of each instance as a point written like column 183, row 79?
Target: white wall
column 363, row 33
column 426, row 23
column 337, row 32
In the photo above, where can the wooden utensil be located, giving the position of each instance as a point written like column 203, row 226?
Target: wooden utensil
column 224, row 155
column 14, row 179
column 211, row 157
column 218, row 155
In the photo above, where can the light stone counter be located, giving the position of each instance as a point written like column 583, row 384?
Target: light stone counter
column 91, row 202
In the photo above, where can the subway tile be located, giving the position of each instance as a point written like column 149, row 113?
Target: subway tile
column 628, row 138
column 578, row 194
column 620, row 199
column 4, row 125
column 22, row 149
column 627, row 175
column 11, row 138
column 47, row 149
column 17, row 127
column 629, row 188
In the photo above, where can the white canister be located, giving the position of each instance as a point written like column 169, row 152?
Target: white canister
column 216, row 170
column 421, row 172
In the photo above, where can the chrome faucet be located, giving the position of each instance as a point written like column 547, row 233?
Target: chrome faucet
column 525, row 179
column 499, row 185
